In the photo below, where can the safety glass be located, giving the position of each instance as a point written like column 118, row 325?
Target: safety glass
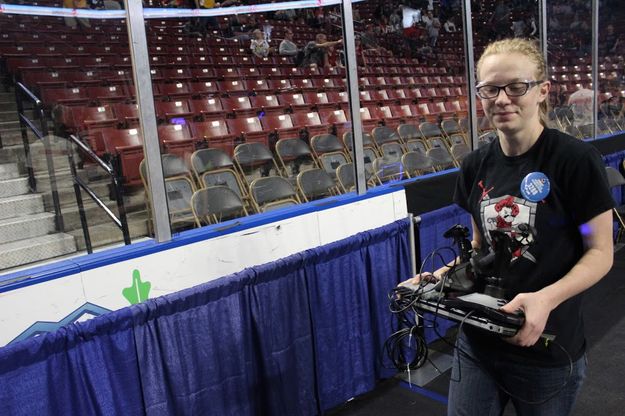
column 514, row 89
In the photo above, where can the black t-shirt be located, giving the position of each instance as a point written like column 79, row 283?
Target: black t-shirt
column 489, row 187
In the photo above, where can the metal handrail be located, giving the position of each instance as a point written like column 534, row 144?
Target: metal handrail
column 121, row 222
column 43, row 135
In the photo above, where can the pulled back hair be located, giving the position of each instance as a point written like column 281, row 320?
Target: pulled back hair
column 530, row 50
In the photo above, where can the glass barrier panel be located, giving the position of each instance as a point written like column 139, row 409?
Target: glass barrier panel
column 611, row 78
column 247, row 106
column 569, row 39
column 412, row 88
column 69, row 81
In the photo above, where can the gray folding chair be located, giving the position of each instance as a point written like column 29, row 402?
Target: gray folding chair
column 316, row 184
column 215, row 204
column 272, row 192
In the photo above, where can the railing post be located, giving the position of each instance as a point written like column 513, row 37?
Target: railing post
column 81, row 208
column 51, row 173
column 119, row 195
column 32, row 182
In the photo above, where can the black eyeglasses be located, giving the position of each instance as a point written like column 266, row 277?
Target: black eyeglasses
column 514, row 89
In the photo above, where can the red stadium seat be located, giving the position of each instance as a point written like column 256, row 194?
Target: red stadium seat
column 280, row 123
column 271, row 72
column 336, row 118
column 311, row 121
column 67, row 96
column 293, row 100
column 318, row 100
column 177, row 89
column 110, row 94
column 268, row 104
column 128, row 114
column 303, row 84
column 233, row 87
column 203, row 88
column 204, row 74
column 215, row 133
column 228, row 73
column 249, row 128
column 176, row 139
column 168, row 110
column 126, row 145
column 280, row 85
column 240, row 106
column 176, row 74
column 207, row 107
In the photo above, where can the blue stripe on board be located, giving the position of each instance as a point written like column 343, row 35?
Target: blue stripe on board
column 424, row 392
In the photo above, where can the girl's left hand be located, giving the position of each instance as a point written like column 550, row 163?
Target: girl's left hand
column 536, row 308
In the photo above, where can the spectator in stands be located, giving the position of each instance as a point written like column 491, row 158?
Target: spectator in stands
column 610, row 40
column 433, row 30
column 449, row 26
column 395, row 21
column 580, row 103
column 500, row 20
column 74, row 21
column 286, row 15
column 259, row 45
column 518, row 27
column 612, row 107
column 531, row 27
column 315, row 52
column 287, row 46
column 571, row 251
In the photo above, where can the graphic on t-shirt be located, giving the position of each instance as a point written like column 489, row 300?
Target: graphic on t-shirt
column 512, row 215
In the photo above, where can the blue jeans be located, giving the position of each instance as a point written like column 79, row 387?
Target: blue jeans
column 473, row 392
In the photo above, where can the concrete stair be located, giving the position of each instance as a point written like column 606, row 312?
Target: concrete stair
column 108, row 233
column 28, row 232
column 31, row 250
column 26, row 226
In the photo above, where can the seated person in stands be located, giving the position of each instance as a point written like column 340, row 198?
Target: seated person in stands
column 315, row 52
column 612, row 107
column 73, row 21
column 449, row 26
column 287, row 46
column 259, row 46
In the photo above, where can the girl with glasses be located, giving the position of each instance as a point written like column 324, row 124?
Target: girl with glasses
column 557, row 185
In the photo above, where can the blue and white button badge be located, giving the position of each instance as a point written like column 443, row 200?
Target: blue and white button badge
column 535, row 187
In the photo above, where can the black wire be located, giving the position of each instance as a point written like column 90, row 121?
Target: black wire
column 402, row 304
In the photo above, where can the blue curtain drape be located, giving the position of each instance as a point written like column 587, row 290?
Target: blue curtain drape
column 431, row 229
column 294, row 337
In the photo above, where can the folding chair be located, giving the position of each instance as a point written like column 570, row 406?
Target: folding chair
column 216, row 204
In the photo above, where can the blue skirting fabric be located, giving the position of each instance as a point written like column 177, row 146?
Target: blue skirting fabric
column 294, row 337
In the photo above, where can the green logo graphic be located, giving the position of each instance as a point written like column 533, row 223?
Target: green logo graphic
column 139, row 291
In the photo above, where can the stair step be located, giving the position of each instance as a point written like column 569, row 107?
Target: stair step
column 26, row 226
column 12, row 137
column 9, row 125
column 8, row 116
column 106, row 234
column 95, row 214
column 67, row 196
column 17, row 253
column 10, row 154
column 6, row 105
column 14, row 187
column 8, row 171
column 21, row 205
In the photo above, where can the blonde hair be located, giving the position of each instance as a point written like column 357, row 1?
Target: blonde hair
column 530, row 50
